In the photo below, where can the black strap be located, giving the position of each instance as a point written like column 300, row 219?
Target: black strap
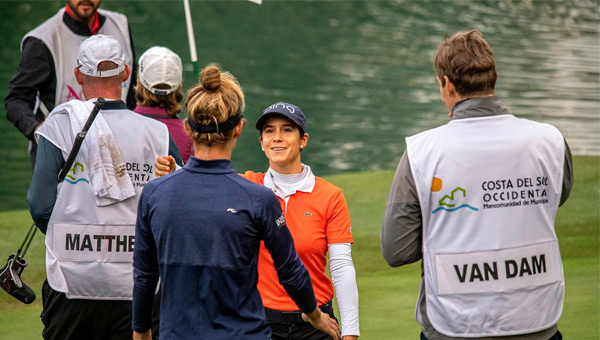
column 79, row 139
column 227, row 125
column 293, row 317
column 157, row 116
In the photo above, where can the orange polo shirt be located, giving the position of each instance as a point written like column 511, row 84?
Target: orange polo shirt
column 315, row 220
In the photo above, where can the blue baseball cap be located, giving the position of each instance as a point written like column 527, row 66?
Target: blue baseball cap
column 290, row 111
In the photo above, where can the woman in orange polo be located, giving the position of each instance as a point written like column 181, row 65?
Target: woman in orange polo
column 317, row 216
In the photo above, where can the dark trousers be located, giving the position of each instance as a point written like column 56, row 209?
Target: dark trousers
column 556, row 336
column 77, row 319
column 289, row 325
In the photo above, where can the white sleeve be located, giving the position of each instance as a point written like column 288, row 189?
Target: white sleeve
column 343, row 276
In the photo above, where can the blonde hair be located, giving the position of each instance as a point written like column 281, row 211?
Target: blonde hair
column 170, row 102
column 214, row 100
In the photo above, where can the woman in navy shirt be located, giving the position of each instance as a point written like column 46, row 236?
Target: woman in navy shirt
column 200, row 230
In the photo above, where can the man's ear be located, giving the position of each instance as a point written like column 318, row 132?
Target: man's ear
column 78, row 76
column 449, row 86
column 126, row 72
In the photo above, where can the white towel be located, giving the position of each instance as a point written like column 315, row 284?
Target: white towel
column 100, row 155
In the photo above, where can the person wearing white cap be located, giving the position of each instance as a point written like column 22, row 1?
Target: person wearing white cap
column 90, row 222
column 159, row 97
column 44, row 77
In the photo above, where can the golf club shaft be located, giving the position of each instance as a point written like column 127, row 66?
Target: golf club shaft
column 29, row 241
column 33, row 227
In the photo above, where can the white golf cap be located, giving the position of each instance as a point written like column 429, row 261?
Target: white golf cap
column 159, row 65
column 99, row 48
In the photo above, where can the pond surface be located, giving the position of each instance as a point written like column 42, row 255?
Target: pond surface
column 361, row 70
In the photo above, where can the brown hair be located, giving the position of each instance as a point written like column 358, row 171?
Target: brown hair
column 468, row 62
column 217, row 97
column 170, row 102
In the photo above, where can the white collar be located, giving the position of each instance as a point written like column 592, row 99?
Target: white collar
column 286, row 185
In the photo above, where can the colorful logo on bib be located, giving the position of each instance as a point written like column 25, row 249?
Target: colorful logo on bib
column 71, row 176
column 452, row 202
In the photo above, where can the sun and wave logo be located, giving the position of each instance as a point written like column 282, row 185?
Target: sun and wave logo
column 456, row 200
column 72, row 176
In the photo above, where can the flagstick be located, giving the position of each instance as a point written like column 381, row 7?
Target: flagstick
column 191, row 39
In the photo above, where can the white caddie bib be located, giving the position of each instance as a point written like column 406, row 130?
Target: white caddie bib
column 64, row 45
column 489, row 189
column 89, row 248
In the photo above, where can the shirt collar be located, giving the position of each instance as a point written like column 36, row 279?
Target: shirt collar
column 216, row 166
column 81, row 28
column 154, row 111
column 112, row 104
column 304, row 182
column 479, row 107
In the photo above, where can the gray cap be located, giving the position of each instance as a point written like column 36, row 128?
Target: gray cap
column 290, row 111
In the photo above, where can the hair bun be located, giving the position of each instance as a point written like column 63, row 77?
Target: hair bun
column 210, row 78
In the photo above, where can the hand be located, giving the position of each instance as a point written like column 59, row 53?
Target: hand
column 323, row 322
column 350, row 337
column 164, row 165
column 147, row 335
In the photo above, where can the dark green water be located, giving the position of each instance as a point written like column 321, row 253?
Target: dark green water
column 360, row 70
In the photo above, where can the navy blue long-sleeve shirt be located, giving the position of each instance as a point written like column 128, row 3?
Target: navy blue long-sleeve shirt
column 200, row 228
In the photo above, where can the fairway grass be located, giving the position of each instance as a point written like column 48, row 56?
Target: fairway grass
column 387, row 295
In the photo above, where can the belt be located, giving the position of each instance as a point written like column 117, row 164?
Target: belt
column 293, row 317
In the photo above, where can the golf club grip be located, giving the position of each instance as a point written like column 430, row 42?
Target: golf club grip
column 79, row 139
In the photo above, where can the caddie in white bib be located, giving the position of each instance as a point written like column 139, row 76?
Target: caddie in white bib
column 62, row 44
column 90, row 241
column 491, row 258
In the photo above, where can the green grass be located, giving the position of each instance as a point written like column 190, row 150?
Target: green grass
column 387, row 295
column 15, row 181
